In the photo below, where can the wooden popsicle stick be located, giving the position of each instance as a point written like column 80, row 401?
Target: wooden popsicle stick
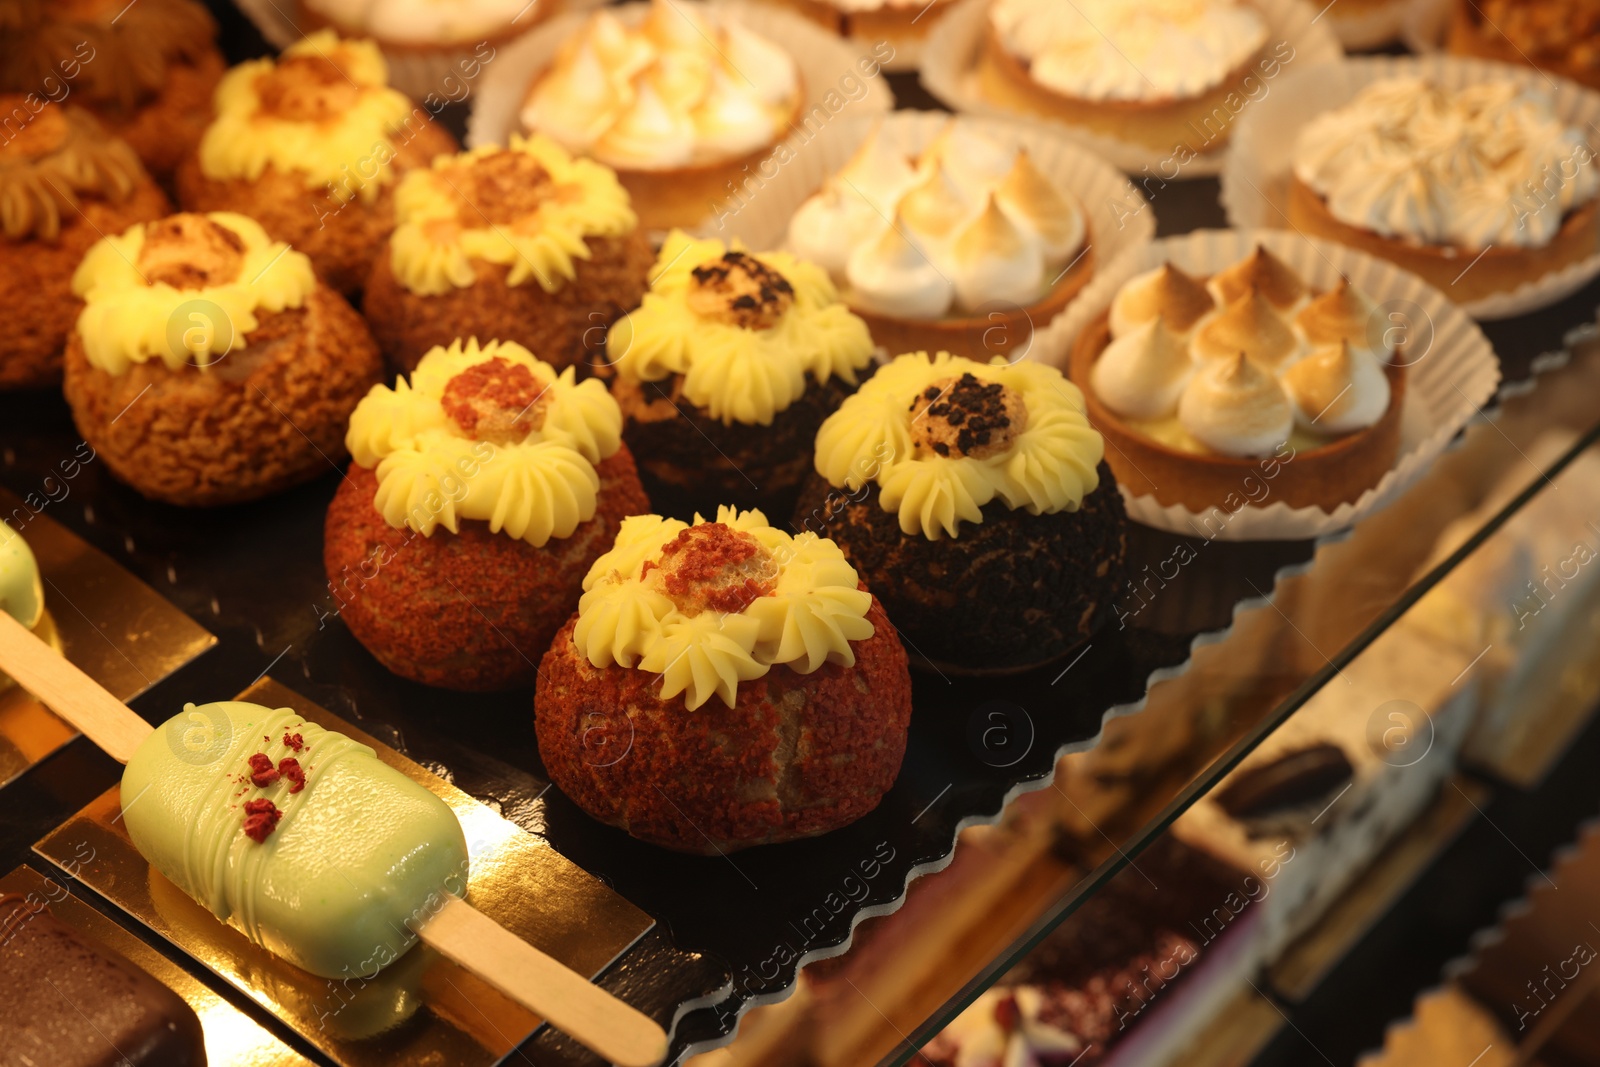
column 540, row 983
column 70, row 693
column 545, row 986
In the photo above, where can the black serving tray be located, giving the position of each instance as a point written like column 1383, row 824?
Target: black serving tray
column 732, row 931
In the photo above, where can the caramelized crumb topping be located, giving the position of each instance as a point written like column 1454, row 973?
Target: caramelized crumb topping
column 306, row 89
column 190, row 252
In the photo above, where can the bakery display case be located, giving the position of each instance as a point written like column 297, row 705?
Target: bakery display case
column 1100, row 685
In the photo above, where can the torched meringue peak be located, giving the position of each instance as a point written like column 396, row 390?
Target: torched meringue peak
column 1251, row 326
column 1344, row 314
column 1027, row 195
column 975, row 163
column 876, row 172
column 934, row 206
column 1179, row 299
column 892, row 276
column 1337, row 390
column 827, row 225
column 1268, row 275
column 1235, row 408
column 1142, row 374
column 993, row 260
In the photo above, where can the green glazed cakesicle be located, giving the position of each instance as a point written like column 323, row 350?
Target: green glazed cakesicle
column 299, row 837
column 21, row 591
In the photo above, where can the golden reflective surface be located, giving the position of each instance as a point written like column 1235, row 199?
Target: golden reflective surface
column 232, row 1038
column 423, row 1009
column 122, row 633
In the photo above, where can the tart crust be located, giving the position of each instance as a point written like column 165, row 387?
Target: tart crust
column 1465, row 38
column 1202, row 123
column 1454, row 271
column 996, row 333
column 892, row 22
column 309, row 20
column 1325, row 477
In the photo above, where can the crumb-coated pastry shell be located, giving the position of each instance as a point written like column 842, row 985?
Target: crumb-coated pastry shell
column 1012, row 592
column 269, row 416
column 691, row 461
column 65, row 184
column 1559, row 36
column 471, row 610
column 336, row 206
column 147, row 70
column 1331, row 474
column 796, row 756
column 521, row 243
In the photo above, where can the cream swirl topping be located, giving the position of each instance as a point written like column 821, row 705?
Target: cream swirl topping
column 744, row 329
column 322, row 109
column 186, row 290
column 942, row 436
column 1487, row 164
column 528, row 207
column 968, row 224
column 1233, row 379
column 711, row 604
column 1129, row 49
column 491, row 433
column 686, row 85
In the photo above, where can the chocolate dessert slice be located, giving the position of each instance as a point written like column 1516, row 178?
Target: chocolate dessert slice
column 70, row 1001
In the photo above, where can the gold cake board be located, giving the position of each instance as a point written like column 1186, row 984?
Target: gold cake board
column 422, row 1009
column 118, row 630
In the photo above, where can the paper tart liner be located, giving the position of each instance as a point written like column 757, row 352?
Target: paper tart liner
column 417, row 72
column 1118, row 217
column 950, row 58
column 1255, row 181
column 830, row 70
column 1447, row 385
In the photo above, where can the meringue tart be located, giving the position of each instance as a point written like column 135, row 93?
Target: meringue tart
column 1559, row 36
column 1208, row 390
column 967, row 248
column 1476, row 190
column 678, row 105
column 1161, row 73
column 412, row 26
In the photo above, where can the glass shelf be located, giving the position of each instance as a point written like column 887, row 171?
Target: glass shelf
column 1242, row 689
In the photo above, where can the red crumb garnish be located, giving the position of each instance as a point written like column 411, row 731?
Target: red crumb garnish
column 262, row 773
column 294, row 741
column 1008, row 1014
column 702, row 562
column 260, row 819
column 289, row 767
column 501, row 395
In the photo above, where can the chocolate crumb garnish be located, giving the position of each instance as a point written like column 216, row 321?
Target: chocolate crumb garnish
column 260, row 819
column 967, row 416
column 740, row 290
column 1293, row 780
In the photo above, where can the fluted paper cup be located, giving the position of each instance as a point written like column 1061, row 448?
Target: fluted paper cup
column 1451, row 372
column 1382, row 24
column 445, row 74
column 832, row 73
column 1119, row 218
column 949, row 64
column 907, row 50
column 1426, row 23
column 1255, row 181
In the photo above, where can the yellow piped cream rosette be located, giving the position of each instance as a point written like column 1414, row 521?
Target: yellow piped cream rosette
column 736, row 373
column 814, row 610
column 245, row 138
column 435, row 241
column 1050, row 466
column 129, row 319
column 539, row 486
